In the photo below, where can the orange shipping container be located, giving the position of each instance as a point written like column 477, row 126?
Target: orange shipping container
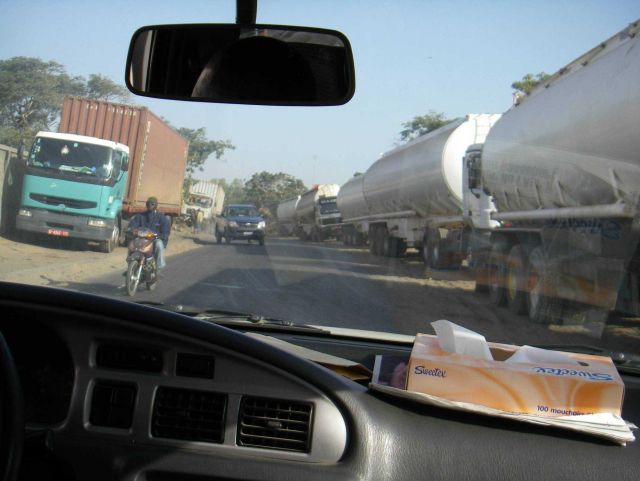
column 158, row 154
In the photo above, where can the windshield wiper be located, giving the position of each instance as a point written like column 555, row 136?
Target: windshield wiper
column 625, row 362
column 236, row 319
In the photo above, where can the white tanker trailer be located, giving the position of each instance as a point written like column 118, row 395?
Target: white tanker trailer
column 543, row 205
column 563, row 167
column 414, row 192
column 286, row 216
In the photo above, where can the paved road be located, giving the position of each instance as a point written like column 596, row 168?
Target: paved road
column 332, row 285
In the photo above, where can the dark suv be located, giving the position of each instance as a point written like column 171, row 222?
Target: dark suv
column 240, row 221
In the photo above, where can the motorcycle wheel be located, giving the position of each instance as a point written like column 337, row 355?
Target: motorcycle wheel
column 133, row 277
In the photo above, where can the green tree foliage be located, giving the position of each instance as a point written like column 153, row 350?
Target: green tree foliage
column 234, row 191
column 422, row 124
column 266, row 189
column 31, row 93
column 103, row 88
column 529, row 82
column 200, row 148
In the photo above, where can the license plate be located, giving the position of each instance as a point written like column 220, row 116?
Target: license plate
column 58, row 232
column 247, row 233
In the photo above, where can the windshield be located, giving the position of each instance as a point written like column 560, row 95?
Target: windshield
column 70, row 156
column 242, row 212
column 485, row 172
column 200, row 201
column 329, row 206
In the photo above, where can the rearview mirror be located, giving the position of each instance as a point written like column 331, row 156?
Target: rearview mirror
column 229, row 63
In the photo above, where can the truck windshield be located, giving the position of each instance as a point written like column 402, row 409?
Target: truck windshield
column 72, row 157
column 328, row 206
column 200, row 201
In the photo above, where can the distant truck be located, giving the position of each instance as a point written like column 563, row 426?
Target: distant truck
column 87, row 180
column 541, row 202
column 316, row 215
column 240, row 222
column 286, row 216
column 207, row 196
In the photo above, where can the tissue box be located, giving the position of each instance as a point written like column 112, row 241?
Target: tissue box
column 587, row 385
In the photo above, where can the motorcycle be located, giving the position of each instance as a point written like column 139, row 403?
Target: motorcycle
column 141, row 262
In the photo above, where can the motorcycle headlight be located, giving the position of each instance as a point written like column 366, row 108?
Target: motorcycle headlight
column 233, row 223
column 261, row 224
column 97, row 223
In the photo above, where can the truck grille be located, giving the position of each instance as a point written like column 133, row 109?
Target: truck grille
column 73, row 203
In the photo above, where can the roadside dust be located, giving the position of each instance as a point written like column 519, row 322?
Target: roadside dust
column 58, row 262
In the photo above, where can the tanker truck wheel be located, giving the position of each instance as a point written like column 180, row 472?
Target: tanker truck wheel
column 373, row 240
column 496, row 272
column 516, row 279
column 542, row 309
column 432, row 254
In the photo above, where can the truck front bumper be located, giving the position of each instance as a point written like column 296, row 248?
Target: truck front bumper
column 63, row 225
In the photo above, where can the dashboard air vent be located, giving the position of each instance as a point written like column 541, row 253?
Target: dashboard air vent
column 130, row 358
column 189, row 415
column 112, row 404
column 275, row 424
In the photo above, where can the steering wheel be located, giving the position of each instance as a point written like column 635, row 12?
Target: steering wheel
column 11, row 415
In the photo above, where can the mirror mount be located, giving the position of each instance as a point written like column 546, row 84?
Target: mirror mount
column 246, row 12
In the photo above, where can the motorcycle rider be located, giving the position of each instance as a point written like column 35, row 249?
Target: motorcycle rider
column 156, row 222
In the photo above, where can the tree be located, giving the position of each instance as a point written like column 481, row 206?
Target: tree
column 100, row 87
column 200, row 148
column 31, row 92
column 528, row 83
column 233, row 191
column 423, row 124
column 264, row 189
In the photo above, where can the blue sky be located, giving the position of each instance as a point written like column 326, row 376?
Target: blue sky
column 411, row 56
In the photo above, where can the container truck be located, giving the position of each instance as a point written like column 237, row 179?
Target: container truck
column 413, row 194
column 286, row 215
column 88, row 179
column 207, row 196
column 317, row 216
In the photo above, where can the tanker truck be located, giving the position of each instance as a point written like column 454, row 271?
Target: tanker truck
column 286, row 216
column 317, row 216
column 541, row 206
column 563, row 169
column 413, row 196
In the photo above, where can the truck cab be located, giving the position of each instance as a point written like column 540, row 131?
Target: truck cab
column 240, row 222
column 73, row 187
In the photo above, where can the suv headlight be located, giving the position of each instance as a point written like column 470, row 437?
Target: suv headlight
column 261, row 224
column 97, row 223
column 233, row 223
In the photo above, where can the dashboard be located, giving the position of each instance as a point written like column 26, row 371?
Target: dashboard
column 114, row 390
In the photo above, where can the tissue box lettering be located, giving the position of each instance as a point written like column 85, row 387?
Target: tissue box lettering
column 581, row 384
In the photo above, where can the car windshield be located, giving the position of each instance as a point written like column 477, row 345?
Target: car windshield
column 242, row 212
column 486, row 170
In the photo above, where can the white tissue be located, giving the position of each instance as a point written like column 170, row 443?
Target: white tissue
column 457, row 339
column 454, row 338
column 535, row 355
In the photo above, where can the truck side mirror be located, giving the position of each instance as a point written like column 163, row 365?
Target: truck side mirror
column 125, row 164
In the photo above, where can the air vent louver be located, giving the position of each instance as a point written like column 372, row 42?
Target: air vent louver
column 275, row 424
column 189, row 415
